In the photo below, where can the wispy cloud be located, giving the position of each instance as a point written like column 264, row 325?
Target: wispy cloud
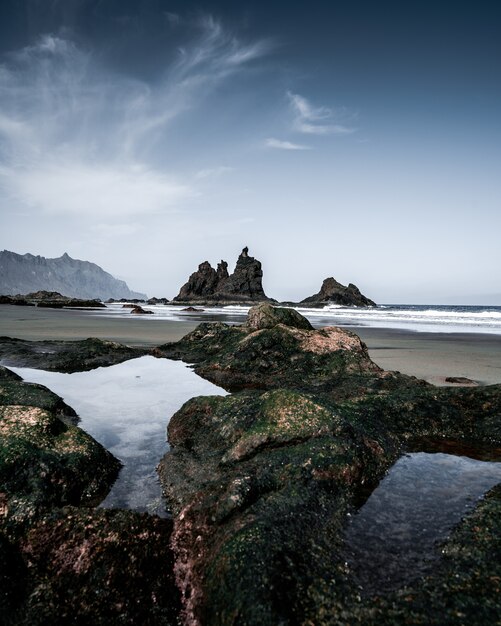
column 278, row 144
column 318, row 120
column 78, row 139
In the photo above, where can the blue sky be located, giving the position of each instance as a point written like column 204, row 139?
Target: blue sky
column 360, row 142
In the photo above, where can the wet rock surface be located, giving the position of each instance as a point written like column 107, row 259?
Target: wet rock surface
column 62, row 561
column 260, row 482
column 45, row 461
column 65, row 356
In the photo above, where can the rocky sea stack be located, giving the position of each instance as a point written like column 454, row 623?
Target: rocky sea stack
column 333, row 292
column 212, row 286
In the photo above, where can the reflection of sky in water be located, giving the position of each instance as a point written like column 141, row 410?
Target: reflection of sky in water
column 127, row 407
column 395, row 535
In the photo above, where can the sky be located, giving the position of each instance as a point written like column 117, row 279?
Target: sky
column 358, row 140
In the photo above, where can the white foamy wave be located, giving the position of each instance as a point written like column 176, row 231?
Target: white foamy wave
column 416, row 318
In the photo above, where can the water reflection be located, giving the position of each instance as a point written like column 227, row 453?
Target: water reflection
column 127, row 407
column 395, row 536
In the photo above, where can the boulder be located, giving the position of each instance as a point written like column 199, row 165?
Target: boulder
column 138, row 310
column 267, row 316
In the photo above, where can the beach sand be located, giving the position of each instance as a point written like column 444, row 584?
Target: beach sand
column 431, row 356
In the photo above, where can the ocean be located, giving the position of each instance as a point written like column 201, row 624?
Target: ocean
column 419, row 318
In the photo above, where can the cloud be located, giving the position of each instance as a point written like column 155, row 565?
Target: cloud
column 284, row 145
column 79, row 139
column 318, row 120
column 83, row 190
column 214, row 172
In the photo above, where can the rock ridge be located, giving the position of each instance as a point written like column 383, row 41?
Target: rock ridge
column 23, row 273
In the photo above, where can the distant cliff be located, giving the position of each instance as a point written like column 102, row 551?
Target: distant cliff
column 209, row 285
column 24, row 273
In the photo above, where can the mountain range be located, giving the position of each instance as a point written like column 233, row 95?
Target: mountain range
column 24, row 273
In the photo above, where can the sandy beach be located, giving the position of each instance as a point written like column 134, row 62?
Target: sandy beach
column 431, row 356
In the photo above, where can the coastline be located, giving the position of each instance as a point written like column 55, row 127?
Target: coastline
column 431, row 356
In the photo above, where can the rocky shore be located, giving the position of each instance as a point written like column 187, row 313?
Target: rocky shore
column 259, row 483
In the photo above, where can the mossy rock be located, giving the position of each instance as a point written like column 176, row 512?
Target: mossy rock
column 278, row 356
column 7, row 374
column 78, row 566
column 45, row 462
column 260, row 481
column 267, row 316
column 15, row 392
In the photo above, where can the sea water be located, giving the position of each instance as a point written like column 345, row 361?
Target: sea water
column 127, row 407
column 424, row 318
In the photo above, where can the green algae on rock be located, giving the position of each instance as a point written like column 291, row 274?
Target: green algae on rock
column 97, row 566
column 45, row 461
column 260, row 482
column 276, row 348
column 32, row 394
column 64, row 564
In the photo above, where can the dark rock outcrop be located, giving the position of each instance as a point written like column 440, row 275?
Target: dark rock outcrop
column 333, row 292
column 261, row 481
column 138, row 310
column 210, row 286
column 65, row 356
column 22, row 273
column 158, row 301
column 51, row 300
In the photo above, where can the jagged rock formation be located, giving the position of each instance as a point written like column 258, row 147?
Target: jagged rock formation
column 333, row 292
column 23, row 273
column 209, row 285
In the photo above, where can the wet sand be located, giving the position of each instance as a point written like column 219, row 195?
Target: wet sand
column 432, row 356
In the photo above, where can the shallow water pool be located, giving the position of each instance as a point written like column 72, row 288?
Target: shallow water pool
column 127, row 407
column 395, row 536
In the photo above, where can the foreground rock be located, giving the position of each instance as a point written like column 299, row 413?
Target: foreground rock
column 65, row 356
column 12, row 393
column 45, row 460
column 62, row 561
column 276, row 348
column 260, row 481
column 333, row 292
column 212, row 286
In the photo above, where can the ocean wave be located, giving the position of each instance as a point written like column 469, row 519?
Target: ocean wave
column 411, row 317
